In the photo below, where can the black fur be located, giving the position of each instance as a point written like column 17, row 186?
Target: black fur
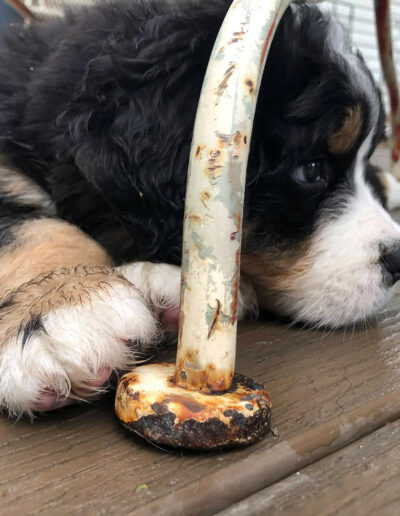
column 34, row 325
column 99, row 107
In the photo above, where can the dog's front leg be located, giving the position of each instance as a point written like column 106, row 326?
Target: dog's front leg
column 67, row 317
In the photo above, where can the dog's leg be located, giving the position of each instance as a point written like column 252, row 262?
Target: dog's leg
column 67, row 317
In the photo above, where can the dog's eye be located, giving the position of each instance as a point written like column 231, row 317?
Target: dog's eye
column 310, row 174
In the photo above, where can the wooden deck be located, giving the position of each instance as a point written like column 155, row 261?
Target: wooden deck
column 336, row 399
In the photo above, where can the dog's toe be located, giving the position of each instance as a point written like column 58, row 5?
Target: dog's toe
column 50, row 401
column 102, row 378
column 169, row 319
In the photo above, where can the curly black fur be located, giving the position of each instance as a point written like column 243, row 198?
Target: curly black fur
column 99, row 107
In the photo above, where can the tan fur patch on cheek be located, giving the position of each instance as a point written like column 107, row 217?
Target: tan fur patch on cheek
column 345, row 138
column 274, row 274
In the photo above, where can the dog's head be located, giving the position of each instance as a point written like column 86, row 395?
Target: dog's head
column 318, row 243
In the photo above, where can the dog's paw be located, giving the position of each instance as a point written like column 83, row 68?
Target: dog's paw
column 160, row 285
column 62, row 334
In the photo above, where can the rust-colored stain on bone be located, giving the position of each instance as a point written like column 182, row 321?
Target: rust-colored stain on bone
column 199, row 150
column 209, row 379
column 269, row 36
column 237, row 36
column 193, row 218
column 190, row 419
column 250, row 84
column 213, row 165
column 214, row 321
column 237, row 138
column 204, row 197
column 225, row 81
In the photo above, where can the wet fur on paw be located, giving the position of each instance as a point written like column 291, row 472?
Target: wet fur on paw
column 62, row 330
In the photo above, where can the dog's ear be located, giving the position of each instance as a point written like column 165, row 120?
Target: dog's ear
column 93, row 128
column 98, row 79
column 105, row 164
column 120, row 126
column 111, row 73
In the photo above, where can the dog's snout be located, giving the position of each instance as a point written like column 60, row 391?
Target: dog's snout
column 391, row 263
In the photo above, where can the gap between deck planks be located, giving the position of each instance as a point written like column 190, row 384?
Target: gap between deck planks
column 362, row 478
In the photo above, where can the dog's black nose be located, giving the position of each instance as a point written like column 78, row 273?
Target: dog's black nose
column 391, row 264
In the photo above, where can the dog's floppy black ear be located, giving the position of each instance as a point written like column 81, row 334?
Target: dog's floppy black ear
column 101, row 125
column 98, row 75
column 106, row 73
column 105, row 165
column 121, row 124
column 111, row 86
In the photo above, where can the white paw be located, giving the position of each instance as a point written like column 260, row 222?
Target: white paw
column 72, row 349
column 160, row 284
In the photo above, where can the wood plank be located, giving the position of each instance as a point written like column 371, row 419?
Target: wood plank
column 362, row 478
column 270, row 465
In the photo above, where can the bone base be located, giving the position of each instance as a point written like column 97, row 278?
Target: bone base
column 151, row 405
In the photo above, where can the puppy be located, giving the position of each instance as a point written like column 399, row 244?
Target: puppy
column 96, row 118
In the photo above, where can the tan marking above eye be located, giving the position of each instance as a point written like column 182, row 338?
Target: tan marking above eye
column 344, row 139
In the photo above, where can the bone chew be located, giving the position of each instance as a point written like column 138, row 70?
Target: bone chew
column 180, row 406
column 215, row 194
column 151, row 405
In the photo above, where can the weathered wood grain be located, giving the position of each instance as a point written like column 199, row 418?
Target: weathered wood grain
column 273, row 464
column 80, row 460
column 362, row 478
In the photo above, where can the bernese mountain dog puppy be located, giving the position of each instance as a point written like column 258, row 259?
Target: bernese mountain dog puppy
column 96, row 117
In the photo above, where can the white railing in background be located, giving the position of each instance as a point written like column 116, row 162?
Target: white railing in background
column 358, row 17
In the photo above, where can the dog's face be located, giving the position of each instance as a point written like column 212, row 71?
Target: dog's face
column 317, row 238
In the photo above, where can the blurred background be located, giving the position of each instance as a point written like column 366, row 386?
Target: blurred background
column 358, row 17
